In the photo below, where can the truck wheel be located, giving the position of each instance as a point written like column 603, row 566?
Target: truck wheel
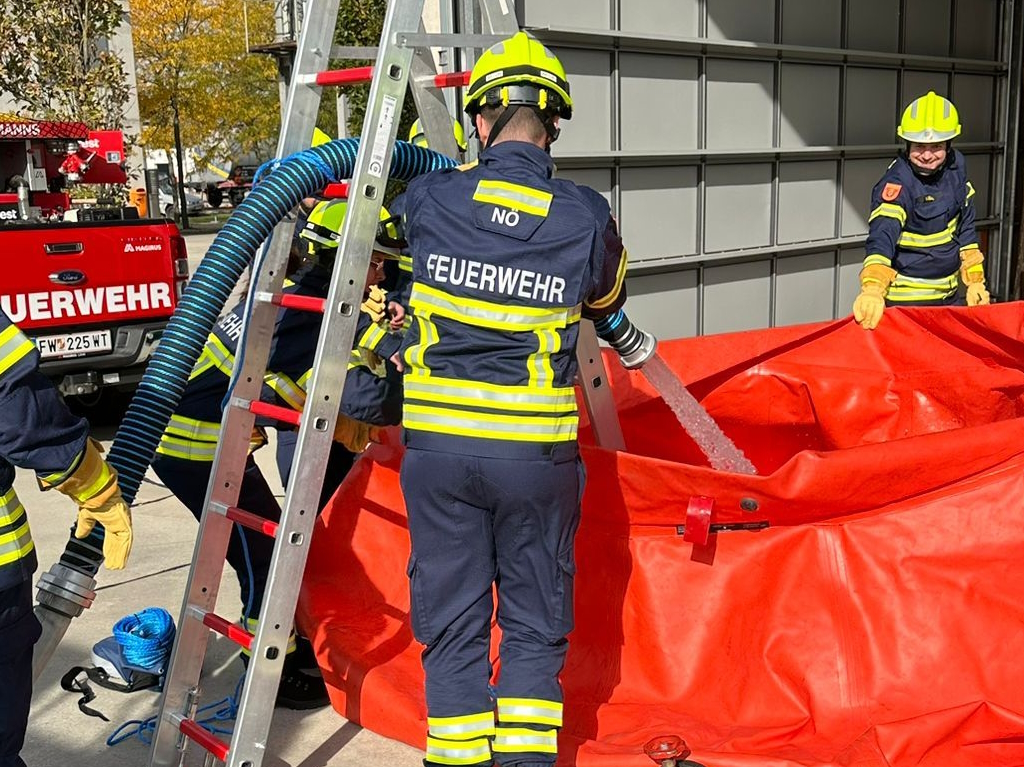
column 214, row 196
column 236, row 196
column 169, row 212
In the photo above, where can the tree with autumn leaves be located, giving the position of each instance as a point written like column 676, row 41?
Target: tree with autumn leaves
column 56, row 62
column 192, row 64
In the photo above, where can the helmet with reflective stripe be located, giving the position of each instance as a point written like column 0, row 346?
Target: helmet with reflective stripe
column 519, row 71
column 929, row 119
column 323, row 231
column 419, row 138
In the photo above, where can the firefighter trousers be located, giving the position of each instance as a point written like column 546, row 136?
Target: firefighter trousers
column 19, row 631
column 476, row 522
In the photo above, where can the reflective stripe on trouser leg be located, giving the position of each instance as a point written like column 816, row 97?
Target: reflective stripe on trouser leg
column 249, row 552
column 460, row 739
column 451, row 572
column 535, row 600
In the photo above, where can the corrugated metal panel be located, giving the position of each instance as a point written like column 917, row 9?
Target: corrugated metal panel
column 738, row 140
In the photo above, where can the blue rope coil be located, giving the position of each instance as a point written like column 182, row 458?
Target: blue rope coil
column 145, row 638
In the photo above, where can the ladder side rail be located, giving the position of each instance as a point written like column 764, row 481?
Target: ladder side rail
column 369, row 179
column 227, row 472
column 430, row 103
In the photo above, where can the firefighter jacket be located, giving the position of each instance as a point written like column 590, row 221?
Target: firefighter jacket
column 919, row 225
column 506, row 260
column 370, row 395
column 36, row 432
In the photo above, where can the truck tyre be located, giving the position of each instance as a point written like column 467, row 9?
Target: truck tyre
column 236, row 196
column 214, row 196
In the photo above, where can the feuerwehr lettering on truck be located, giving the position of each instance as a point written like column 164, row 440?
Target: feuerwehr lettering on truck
column 84, row 302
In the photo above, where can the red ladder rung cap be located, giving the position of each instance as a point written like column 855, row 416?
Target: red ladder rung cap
column 336, row 191
column 276, row 412
column 302, row 303
column 205, row 738
column 231, row 630
column 452, row 79
column 252, row 521
column 345, row 76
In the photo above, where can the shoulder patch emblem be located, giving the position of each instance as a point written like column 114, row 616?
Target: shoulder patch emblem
column 891, row 191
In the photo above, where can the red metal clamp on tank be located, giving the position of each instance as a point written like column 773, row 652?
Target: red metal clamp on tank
column 669, row 751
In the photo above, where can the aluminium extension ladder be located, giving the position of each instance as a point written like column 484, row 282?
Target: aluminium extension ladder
column 404, row 60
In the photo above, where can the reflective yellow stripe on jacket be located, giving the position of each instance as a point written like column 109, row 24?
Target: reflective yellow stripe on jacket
column 14, row 346
column 538, row 411
column 193, row 440
column 15, row 537
column 910, row 289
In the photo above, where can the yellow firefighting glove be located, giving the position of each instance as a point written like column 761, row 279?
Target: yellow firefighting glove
column 93, row 486
column 972, row 275
column 875, row 280
column 354, row 435
column 375, row 304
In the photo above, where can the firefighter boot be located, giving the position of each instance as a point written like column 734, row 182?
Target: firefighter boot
column 298, row 690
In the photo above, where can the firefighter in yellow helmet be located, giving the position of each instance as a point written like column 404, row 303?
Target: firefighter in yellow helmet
column 922, row 244
column 506, row 261
column 419, row 138
column 38, row 432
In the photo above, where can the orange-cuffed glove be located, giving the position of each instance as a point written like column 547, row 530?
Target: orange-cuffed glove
column 972, row 275
column 355, row 435
column 93, row 486
column 875, row 280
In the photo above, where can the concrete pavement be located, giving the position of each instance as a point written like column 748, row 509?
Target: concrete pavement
column 60, row 734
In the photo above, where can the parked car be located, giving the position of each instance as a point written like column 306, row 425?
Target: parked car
column 168, row 203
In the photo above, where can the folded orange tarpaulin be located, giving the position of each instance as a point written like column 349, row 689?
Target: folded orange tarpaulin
column 876, row 621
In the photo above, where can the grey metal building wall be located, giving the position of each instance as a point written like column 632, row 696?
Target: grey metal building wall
column 738, row 140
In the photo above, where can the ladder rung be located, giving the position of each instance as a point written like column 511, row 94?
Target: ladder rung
column 356, row 75
column 189, row 728
column 276, row 412
column 252, row 521
column 292, row 301
column 226, row 628
column 336, row 191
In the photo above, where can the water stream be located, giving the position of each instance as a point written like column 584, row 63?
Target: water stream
column 721, row 452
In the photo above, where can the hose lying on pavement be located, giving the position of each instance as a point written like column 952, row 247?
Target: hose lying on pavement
column 69, row 586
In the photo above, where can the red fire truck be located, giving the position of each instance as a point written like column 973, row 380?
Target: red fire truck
column 94, row 287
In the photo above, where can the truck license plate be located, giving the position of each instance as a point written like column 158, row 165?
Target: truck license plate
column 74, row 344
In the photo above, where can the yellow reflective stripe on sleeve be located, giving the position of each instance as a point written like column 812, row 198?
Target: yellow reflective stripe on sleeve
column 466, row 727
column 520, row 739
column 970, row 192
column 506, row 317
column 878, row 258
column 14, row 346
column 613, row 294
column 433, row 389
column 530, row 711
column 415, row 355
column 220, row 355
column 889, row 210
column 525, row 199
column 912, row 240
column 476, row 751
column 515, row 428
column 285, row 388
column 372, row 337
column 15, row 538
column 405, row 263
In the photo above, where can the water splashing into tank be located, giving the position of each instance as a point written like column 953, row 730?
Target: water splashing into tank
column 722, row 454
